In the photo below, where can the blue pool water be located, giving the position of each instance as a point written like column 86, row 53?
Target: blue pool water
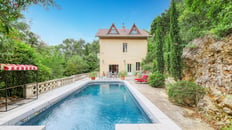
column 97, row 107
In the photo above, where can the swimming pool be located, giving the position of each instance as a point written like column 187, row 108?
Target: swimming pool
column 98, row 106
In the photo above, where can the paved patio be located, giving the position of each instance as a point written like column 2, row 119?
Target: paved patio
column 159, row 97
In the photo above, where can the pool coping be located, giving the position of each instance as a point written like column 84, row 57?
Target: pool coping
column 25, row 112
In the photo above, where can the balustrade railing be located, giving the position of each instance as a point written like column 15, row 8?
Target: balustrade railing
column 31, row 89
column 11, row 97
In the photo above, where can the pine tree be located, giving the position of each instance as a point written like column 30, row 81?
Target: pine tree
column 159, row 46
column 175, row 43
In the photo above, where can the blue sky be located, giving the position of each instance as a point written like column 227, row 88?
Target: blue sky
column 82, row 18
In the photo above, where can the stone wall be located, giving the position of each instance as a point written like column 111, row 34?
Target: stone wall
column 208, row 62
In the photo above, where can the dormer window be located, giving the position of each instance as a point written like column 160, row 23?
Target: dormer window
column 113, row 30
column 134, row 30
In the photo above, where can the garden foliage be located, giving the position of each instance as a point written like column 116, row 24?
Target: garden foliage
column 182, row 22
column 156, row 79
column 18, row 45
column 185, row 93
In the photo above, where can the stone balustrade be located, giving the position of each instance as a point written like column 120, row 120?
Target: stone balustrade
column 31, row 89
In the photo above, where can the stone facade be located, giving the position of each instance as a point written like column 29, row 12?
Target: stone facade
column 208, row 62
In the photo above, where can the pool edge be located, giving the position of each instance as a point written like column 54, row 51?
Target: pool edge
column 25, row 112
column 162, row 121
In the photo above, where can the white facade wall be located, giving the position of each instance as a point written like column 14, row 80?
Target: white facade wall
column 111, row 52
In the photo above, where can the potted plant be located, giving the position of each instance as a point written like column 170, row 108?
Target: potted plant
column 122, row 74
column 138, row 75
column 93, row 75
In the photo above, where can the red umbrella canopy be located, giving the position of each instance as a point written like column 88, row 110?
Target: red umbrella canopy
column 15, row 67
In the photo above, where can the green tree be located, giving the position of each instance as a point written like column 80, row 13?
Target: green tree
column 13, row 48
column 201, row 17
column 75, row 65
column 167, row 54
column 159, row 47
column 71, row 47
column 53, row 59
column 91, row 52
column 94, row 47
column 17, row 52
column 147, row 63
column 150, row 54
column 92, row 62
column 184, row 21
column 193, row 21
column 10, row 11
column 175, row 40
column 162, row 20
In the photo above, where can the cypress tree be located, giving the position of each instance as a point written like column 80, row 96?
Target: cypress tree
column 175, row 43
column 159, row 46
column 167, row 54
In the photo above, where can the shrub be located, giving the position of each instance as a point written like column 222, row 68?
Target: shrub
column 156, row 79
column 185, row 93
column 147, row 67
column 93, row 74
column 138, row 74
column 123, row 73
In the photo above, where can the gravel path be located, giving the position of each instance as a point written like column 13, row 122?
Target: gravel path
column 159, row 97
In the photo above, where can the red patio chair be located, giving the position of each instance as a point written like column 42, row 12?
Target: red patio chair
column 143, row 79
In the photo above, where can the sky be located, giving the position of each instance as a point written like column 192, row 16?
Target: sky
column 81, row 19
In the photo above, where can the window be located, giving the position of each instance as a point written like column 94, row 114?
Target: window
column 137, row 66
column 124, row 47
column 128, row 68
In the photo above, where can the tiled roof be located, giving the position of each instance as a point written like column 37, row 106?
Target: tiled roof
column 122, row 33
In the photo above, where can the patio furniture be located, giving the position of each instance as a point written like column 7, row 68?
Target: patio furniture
column 143, row 79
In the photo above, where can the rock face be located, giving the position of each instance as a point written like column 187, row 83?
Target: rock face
column 208, row 62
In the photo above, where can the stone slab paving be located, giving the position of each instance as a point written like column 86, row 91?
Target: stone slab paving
column 159, row 98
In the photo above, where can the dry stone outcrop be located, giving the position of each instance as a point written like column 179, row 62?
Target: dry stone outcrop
column 208, row 62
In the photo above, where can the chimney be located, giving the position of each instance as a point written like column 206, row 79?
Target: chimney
column 123, row 27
